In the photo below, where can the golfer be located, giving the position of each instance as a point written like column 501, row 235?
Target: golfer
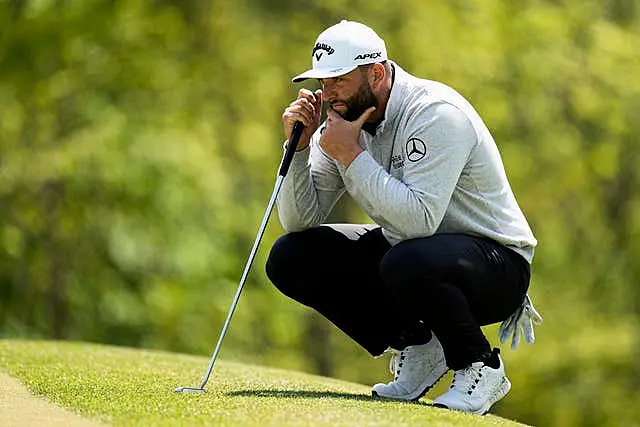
column 450, row 250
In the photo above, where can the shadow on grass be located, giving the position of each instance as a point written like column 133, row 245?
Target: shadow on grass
column 307, row 394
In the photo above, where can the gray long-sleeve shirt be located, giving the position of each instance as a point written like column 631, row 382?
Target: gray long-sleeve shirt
column 431, row 167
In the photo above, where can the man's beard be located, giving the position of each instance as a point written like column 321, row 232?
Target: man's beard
column 358, row 103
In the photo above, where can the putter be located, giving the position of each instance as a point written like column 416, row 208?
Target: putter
column 284, row 167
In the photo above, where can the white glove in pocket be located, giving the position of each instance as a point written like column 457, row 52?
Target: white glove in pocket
column 521, row 321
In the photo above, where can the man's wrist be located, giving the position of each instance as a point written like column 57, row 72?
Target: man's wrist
column 351, row 157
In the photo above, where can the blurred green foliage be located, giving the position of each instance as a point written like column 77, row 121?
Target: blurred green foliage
column 140, row 141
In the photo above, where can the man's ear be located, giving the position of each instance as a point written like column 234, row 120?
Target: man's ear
column 376, row 75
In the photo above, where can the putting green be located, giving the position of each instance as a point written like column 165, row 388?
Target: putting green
column 133, row 387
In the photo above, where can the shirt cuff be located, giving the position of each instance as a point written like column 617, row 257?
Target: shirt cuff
column 300, row 158
column 298, row 150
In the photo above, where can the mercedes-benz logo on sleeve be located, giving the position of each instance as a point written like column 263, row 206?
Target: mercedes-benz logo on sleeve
column 416, row 149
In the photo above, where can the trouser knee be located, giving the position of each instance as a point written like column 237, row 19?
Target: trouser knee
column 283, row 253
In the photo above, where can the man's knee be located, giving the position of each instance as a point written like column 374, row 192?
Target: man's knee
column 283, row 258
column 293, row 259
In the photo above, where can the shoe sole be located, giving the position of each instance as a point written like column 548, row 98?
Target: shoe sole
column 499, row 394
column 409, row 398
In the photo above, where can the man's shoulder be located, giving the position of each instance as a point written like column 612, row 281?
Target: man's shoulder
column 427, row 98
column 412, row 81
column 421, row 98
column 424, row 92
column 415, row 93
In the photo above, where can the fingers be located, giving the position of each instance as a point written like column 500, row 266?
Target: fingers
column 365, row 116
column 532, row 312
column 305, row 109
column 313, row 99
column 503, row 332
column 520, row 323
column 333, row 115
column 527, row 331
column 535, row 316
column 507, row 329
column 306, row 94
column 515, row 342
column 299, row 110
column 508, row 324
column 318, row 104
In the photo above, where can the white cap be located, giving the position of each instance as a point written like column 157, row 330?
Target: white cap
column 343, row 47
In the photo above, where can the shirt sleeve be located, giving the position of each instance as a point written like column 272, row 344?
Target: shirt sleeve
column 311, row 188
column 438, row 141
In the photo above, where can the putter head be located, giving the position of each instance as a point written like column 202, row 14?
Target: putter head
column 189, row 390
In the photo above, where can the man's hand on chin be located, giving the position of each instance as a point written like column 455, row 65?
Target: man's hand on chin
column 341, row 138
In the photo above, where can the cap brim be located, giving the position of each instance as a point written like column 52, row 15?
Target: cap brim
column 323, row 73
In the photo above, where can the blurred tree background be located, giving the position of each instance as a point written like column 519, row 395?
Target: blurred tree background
column 140, row 141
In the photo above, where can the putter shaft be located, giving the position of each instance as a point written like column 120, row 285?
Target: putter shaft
column 296, row 132
column 234, row 304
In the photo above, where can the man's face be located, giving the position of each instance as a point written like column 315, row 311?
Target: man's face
column 349, row 95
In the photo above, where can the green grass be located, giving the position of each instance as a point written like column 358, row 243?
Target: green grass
column 125, row 386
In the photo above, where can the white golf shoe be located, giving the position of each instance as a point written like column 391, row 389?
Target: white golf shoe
column 416, row 369
column 475, row 388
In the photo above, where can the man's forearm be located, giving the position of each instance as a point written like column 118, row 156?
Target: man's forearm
column 390, row 199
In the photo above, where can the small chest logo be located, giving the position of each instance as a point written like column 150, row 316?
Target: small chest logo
column 416, row 149
column 397, row 162
column 324, row 47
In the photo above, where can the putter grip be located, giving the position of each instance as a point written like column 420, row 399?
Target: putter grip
column 291, row 148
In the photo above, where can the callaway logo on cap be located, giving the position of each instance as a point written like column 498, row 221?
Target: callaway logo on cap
column 341, row 48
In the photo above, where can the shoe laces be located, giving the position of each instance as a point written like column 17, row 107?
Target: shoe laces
column 395, row 362
column 466, row 380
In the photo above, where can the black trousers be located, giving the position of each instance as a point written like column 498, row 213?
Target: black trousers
column 383, row 296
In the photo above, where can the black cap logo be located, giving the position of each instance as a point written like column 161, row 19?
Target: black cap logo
column 321, row 46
